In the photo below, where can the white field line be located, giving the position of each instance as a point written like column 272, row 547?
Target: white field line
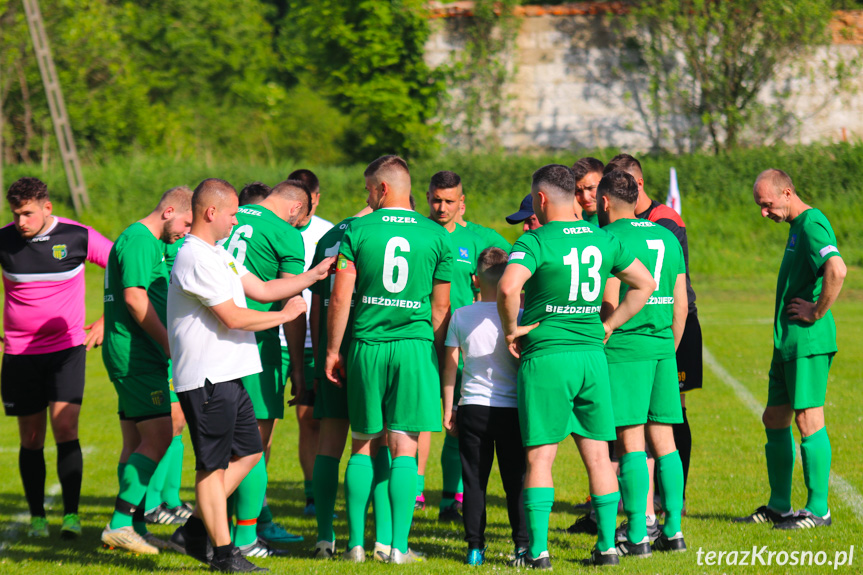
column 841, row 487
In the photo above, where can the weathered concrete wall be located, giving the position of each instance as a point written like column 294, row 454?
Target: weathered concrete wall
column 568, row 91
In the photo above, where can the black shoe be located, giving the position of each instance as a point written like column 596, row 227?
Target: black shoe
column 519, row 557
column 584, row 524
column 653, row 531
column 641, row 550
column 235, row 563
column 541, row 562
column 196, row 547
column 261, row 548
column 450, row 514
column 804, row 519
column 601, row 559
column 675, row 543
column 161, row 515
column 763, row 515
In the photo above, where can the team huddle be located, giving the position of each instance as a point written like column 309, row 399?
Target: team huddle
column 391, row 326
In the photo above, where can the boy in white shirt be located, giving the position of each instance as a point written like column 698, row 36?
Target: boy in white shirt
column 487, row 414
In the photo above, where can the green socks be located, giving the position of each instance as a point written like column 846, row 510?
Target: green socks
column 779, row 451
column 670, row 470
column 605, row 507
column 450, row 462
column 634, row 485
column 249, row 498
column 266, row 515
column 309, row 489
column 402, row 488
column 134, row 477
column 326, row 482
column 816, row 454
column 421, row 484
column 359, row 476
column 381, row 497
column 537, row 509
column 174, row 475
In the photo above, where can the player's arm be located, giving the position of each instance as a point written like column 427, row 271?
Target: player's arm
column 295, row 335
column 440, row 308
column 450, row 370
column 142, row 311
column 508, row 303
column 834, row 272
column 641, row 285
column 610, row 298
column 284, row 288
column 337, row 316
column 681, row 309
column 236, row 317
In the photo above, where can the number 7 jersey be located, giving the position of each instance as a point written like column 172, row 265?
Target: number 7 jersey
column 569, row 263
column 398, row 254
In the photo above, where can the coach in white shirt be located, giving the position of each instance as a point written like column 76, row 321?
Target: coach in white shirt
column 212, row 346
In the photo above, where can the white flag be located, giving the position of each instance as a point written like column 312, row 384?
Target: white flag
column 673, row 199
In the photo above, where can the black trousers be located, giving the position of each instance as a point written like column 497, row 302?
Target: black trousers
column 481, row 429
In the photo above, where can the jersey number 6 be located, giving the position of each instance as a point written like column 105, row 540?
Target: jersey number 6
column 396, row 267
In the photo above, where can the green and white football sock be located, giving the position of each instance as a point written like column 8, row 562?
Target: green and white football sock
column 816, row 455
column 249, row 498
column 359, row 476
column 402, row 489
column 605, row 507
column 779, row 451
column 670, row 471
column 537, row 509
column 134, row 476
column 634, row 485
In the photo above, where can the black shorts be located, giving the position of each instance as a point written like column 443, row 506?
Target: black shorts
column 221, row 423
column 28, row 383
column 690, row 368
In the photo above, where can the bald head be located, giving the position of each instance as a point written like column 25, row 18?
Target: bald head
column 774, row 181
column 388, row 181
column 212, row 192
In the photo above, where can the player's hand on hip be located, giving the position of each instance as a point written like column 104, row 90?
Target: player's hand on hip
column 801, row 310
column 608, row 331
column 325, row 268
column 95, row 333
column 294, row 308
column 335, row 369
column 513, row 341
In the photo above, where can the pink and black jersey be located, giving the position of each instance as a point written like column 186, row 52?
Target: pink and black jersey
column 44, row 282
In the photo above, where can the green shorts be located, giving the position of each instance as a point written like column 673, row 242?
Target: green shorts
column 308, row 366
column 564, row 393
column 143, row 395
column 331, row 401
column 645, row 391
column 396, row 382
column 800, row 382
column 267, row 392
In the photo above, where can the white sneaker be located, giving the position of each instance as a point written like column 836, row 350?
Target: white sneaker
column 126, row 538
column 381, row 553
column 356, row 554
column 399, row 558
column 324, row 550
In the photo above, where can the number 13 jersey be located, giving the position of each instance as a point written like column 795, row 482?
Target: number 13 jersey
column 398, row 254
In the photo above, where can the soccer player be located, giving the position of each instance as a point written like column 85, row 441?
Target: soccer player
column 525, row 216
column 689, row 360
column 445, row 198
column 490, row 237
column 136, row 356
column 804, row 343
column 254, row 193
column 562, row 267
column 267, row 243
column 401, row 264
column 45, row 342
column 331, row 408
column 642, row 368
column 312, row 229
column 588, row 172
column 211, row 341
column 487, row 412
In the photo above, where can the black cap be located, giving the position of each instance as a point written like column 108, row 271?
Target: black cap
column 525, row 210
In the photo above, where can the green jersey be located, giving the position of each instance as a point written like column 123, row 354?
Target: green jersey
column 466, row 247
column 328, row 246
column 591, row 219
column 398, row 254
column 170, row 252
column 490, row 238
column 648, row 335
column 569, row 263
column 811, row 242
column 136, row 260
column 267, row 246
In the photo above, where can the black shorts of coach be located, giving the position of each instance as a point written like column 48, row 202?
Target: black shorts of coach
column 28, row 383
column 221, row 422
column 690, row 368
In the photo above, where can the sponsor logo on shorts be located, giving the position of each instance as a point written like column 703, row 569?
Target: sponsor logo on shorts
column 572, row 309
column 157, row 397
column 579, row 230
column 660, row 300
column 389, row 302
column 828, row 250
column 59, row 251
column 399, row 219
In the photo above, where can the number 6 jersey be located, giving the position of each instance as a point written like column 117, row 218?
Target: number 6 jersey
column 398, row 254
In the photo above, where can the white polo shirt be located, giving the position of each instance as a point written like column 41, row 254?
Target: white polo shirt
column 202, row 347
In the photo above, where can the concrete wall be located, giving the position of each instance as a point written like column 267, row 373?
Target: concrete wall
column 568, row 91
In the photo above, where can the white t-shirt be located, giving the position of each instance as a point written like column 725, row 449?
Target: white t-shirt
column 311, row 236
column 201, row 346
column 490, row 370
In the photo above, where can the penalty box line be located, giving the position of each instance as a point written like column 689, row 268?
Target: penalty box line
column 843, row 489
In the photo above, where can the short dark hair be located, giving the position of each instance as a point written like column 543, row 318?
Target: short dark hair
column 444, row 180
column 308, row 178
column 295, row 190
column 491, row 263
column 586, row 166
column 390, row 161
column 619, row 185
column 207, row 190
column 626, row 163
column 555, row 178
column 253, row 193
column 27, row 190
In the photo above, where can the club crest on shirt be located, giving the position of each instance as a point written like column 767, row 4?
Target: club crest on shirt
column 792, row 241
column 233, row 267
column 59, row 251
column 463, row 253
